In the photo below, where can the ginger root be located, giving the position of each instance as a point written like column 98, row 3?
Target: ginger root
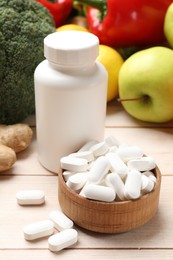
column 13, row 139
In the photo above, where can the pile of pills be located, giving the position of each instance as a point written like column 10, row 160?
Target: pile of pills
column 109, row 171
column 66, row 236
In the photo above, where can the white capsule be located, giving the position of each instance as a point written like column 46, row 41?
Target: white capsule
column 129, row 152
column 30, row 197
column 74, row 164
column 147, row 184
column 99, row 170
column 113, row 180
column 150, row 175
column 146, row 163
column 87, row 146
column 100, row 193
column 88, row 155
column 117, row 165
column 132, row 189
column 62, row 239
column 66, row 175
column 112, row 141
column 99, row 149
column 77, row 181
column 60, row 220
column 38, row 229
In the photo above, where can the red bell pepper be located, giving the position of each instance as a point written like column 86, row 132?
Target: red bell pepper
column 124, row 23
column 59, row 9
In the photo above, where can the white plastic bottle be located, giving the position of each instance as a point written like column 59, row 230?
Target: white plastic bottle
column 70, row 94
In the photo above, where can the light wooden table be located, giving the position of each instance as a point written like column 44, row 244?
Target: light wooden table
column 153, row 240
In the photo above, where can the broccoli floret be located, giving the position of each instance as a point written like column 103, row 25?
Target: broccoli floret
column 23, row 26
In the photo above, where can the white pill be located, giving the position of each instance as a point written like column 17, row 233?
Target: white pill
column 113, row 180
column 100, row 193
column 66, row 175
column 87, row 146
column 129, row 152
column 147, row 184
column 146, row 163
column 112, row 141
column 77, row 181
column 60, row 220
column 99, row 170
column 62, row 239
column 38, row 229
column 132, row 189
column 117, row 165
column 150, row 175
column 74, row 164
column 30, row 197
column 88, row 155
column 99, row 149
column 113, row 149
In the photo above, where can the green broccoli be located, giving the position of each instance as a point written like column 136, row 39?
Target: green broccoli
column 23, row 26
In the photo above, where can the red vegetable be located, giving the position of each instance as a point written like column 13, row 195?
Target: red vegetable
column 124, row 23
column 60, row 9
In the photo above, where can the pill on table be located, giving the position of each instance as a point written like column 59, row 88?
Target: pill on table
column 150, row 175
column 147, row 184
column 146, row 163
column 62, row 239
column 38, row 229
column 100, row 168
column 74, row 164
column 129, row 152
column 66, row 175
column 100, row 193
column 117, row 165
column 132, row 188
column 30, row 197
column 60, row 220
column 99, row 149
column 87, row 146
column 112, row 141
column 113, row 180
column 88, row 155
column 77, row 181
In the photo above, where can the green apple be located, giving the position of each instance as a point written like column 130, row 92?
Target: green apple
column 146, row 84
column 168, row 25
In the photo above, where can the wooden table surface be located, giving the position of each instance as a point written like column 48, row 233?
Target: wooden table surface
column 153, row 240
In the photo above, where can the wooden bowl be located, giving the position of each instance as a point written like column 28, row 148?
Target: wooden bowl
column 114, row 217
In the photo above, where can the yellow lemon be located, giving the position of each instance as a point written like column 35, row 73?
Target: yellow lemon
column 71, row 27
column 112, row 61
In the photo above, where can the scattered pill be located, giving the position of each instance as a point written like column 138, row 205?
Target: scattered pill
column 144, row 164
column 112, row 141
column 99, row 149
column 30, row 197
column 147, row 184
column 88, row 155
column 132, row 189
column 60, row 220
column 100, row 193
column 127, row 153
column 77, row 181
column 74, row 164
column 87, row 146
column 113, row 180
column 62, row 240
column 38, row 229
column 117, row 165
column 99, row 170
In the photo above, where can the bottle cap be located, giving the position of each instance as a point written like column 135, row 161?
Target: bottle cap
column 71, row 48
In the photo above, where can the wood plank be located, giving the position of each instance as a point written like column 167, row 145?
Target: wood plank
column 87, row 254
column 155, row 234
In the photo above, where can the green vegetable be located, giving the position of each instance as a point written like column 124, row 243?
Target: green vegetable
column 23, row 26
